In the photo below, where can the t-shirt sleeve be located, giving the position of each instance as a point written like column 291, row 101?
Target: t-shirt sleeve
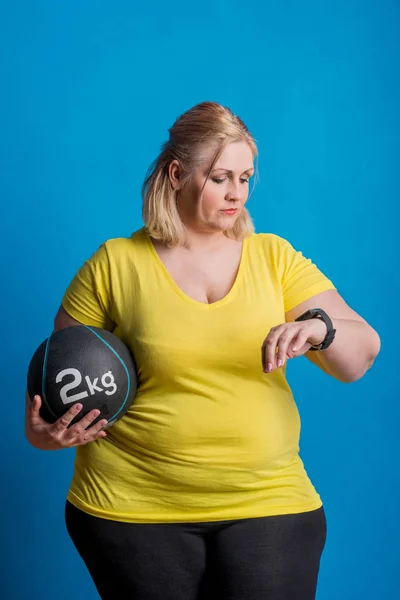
column 300, row 277
column 88, row 297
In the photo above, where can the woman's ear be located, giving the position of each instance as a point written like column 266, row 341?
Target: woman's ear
column 174, row 174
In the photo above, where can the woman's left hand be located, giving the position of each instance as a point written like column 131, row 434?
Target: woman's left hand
column 290, row 340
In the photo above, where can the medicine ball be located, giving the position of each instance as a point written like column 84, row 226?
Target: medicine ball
column 87, row 365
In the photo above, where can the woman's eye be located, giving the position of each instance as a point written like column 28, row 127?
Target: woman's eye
column 216, row 180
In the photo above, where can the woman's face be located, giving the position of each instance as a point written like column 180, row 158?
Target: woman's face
column 217, row 206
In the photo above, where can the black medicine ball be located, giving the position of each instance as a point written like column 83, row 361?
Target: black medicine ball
column 87, row 365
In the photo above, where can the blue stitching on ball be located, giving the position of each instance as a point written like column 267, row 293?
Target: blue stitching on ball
column 123, row 364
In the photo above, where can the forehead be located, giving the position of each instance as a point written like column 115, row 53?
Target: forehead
column 236, row 156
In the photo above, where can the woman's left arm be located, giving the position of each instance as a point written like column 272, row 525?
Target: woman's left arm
column 356, row 343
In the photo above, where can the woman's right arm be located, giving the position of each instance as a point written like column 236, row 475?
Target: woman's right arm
column 55, row 436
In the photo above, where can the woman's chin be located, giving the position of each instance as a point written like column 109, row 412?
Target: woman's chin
column 228, row 220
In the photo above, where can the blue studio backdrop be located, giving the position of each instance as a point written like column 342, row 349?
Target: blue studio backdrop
column 89, row 90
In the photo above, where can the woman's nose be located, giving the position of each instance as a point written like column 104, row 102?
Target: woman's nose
column 234, row 191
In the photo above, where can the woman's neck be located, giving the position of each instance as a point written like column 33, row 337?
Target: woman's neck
column 205, row 240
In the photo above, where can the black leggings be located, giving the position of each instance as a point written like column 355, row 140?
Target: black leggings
column 266, row 558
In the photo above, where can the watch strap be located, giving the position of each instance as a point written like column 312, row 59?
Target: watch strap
column 318, row 313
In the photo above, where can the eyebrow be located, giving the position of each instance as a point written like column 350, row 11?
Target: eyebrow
column 230, row 171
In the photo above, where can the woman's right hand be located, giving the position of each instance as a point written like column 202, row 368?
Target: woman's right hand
column 55, row 436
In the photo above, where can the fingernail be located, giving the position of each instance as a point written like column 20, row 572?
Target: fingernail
column 269, row 366
column 294, row 348
column 78, row 407
column 279, row 363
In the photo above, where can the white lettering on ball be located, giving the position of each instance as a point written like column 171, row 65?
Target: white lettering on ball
column 110, row 384
column 70, row 386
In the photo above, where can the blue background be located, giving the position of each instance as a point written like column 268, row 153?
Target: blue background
column 89, row 89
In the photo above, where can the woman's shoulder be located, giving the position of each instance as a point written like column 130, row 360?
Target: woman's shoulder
column 119, row 250
column 268, row 241
column 125, row 244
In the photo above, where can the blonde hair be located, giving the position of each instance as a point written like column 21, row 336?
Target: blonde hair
column 206, row 125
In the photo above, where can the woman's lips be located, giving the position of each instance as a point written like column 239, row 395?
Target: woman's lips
column 230, row 211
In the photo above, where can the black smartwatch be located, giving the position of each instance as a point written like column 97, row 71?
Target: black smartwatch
column 318, row 313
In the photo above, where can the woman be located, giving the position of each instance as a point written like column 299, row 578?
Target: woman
column 200, row 486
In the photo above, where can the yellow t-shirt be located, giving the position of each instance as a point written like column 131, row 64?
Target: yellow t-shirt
column 209, row 436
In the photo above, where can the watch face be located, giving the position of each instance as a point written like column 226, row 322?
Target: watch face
column 312, row 313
